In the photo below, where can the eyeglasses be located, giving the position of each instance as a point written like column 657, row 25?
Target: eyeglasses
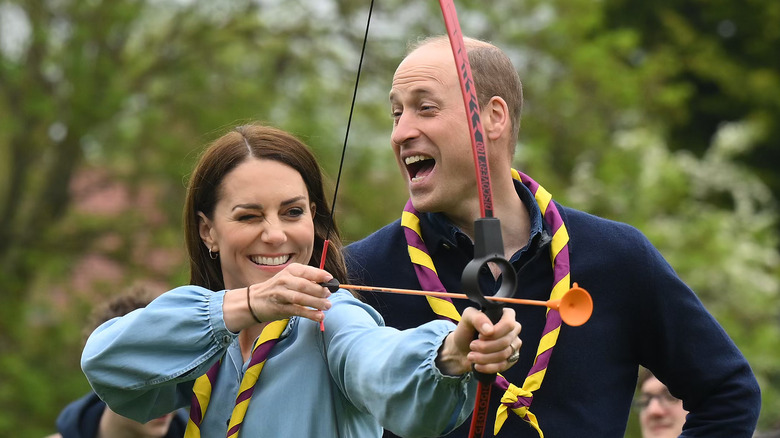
column 665, row 399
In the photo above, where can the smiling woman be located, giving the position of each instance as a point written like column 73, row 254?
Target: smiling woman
column 257, row 234
column 220, row 159
column 242, row 346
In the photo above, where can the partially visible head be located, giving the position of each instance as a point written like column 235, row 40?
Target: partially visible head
column 134, row 297
column 661, row 415
column 111, row 423
column 206, row 189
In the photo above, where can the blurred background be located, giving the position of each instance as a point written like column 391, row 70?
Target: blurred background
column 660, row 114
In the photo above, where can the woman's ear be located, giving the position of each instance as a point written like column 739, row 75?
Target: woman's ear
column 313, row 210
column 206, row 231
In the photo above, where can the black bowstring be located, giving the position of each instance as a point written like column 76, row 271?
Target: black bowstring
column 349, row 122
column 332, row 223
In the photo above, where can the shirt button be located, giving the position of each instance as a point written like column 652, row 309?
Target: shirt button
column 226, row 339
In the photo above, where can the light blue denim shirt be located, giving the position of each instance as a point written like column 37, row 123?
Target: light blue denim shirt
column 144, row 365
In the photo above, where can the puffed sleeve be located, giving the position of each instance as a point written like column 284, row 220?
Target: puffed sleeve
column 392, row 374
column 144, row 363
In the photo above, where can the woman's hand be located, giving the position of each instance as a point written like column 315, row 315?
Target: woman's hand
column 294, row 291
column 489, row 353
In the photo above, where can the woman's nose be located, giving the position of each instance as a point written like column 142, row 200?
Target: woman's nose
column 273, row 232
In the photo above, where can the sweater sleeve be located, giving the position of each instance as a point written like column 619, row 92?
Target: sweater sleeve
column 144, row 364
column 392, row 374
column 688, row 350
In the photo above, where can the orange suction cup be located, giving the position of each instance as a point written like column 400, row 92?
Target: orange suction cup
column 575, row 306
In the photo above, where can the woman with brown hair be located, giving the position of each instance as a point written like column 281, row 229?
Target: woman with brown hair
column 242, row 344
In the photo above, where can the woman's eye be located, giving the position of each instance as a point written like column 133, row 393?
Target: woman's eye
column 296, row 211
column 247, row 217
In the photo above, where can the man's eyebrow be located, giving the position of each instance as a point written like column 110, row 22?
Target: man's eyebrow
column 416, row 92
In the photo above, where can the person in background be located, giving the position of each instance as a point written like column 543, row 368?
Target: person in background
column 569, row 381
column 661, row 415
column 89, row 417
column 242, row 344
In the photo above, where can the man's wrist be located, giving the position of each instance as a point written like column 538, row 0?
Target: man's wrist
column 450, row 360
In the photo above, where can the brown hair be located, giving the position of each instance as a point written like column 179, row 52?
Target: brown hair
column 494, row 75
column 134, row 297
column 225, row 154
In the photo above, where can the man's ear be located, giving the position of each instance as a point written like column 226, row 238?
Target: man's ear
column 205, row 229
column 495, row 118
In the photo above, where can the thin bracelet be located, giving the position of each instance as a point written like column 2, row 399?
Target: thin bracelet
column 250, row 307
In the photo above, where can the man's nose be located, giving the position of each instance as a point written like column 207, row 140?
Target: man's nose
column 405, row 128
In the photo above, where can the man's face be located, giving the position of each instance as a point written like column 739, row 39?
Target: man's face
column 430, row 136
column 661, row 415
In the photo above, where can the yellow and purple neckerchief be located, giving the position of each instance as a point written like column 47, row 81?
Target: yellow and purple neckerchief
column 201, row 390
column 518, row 399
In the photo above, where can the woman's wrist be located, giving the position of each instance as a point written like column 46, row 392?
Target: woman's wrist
column 234, row 310
column 249, row 306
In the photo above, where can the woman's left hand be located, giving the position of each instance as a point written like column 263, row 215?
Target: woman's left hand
column 493, row 351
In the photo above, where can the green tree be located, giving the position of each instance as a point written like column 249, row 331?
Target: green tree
column 725, row 58
column 117, row 97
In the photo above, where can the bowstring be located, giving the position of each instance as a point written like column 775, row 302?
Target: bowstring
column 346, row 134
column 332, row 222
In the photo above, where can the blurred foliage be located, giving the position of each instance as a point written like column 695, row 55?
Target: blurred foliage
column 660, row 116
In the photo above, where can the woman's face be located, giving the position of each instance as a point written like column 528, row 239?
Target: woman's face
column 262, row 222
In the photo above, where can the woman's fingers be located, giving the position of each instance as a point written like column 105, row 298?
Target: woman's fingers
column 295, row 291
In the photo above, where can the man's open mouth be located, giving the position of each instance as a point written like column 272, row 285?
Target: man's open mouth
column 419, row 166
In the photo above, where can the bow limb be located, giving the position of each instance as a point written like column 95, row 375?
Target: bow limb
column 488, row 243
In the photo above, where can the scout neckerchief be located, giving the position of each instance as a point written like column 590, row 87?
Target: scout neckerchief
column 514, row 398
column 204, row 384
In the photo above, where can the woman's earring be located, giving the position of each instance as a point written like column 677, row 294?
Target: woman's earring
column 213, row 255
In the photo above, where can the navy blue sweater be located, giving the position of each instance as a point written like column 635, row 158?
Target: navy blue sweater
column 643, row 315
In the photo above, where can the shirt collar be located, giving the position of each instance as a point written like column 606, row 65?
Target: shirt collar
column 444, row 233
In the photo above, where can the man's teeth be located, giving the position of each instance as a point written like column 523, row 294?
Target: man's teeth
column 415, row 158
column 271, row 261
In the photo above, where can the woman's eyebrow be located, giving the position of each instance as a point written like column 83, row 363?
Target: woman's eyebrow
column 294, row 200
column 248, row 206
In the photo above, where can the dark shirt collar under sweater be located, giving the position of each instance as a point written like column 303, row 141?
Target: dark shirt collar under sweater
column 442, row 233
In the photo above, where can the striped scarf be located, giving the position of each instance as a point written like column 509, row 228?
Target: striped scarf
column 516, row 399
column 204, row 384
